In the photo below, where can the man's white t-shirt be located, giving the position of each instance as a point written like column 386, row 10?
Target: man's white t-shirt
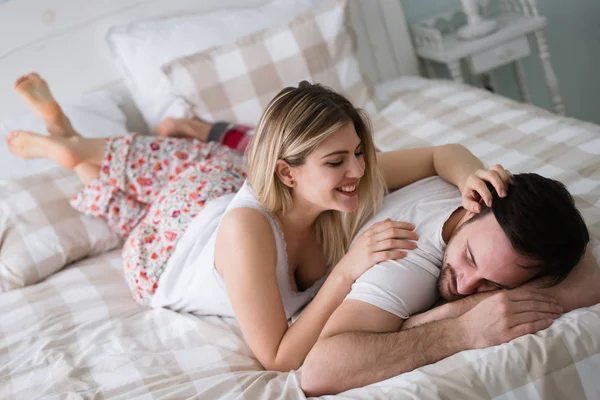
column 408, row 286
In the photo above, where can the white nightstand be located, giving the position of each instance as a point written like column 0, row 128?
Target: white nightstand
column 518, row 20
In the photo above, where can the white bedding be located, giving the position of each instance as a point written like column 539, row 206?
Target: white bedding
column 80, row 334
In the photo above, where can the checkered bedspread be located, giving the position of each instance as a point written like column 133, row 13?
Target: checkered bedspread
column 79, row 335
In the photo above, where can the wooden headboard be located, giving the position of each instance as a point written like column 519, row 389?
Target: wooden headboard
column 63, row 40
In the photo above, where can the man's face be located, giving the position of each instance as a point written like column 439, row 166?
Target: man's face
column 480, row 258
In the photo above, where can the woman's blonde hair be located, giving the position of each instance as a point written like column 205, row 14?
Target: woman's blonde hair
column 293, row 125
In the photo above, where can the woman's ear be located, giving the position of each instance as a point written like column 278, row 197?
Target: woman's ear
column 285, row 173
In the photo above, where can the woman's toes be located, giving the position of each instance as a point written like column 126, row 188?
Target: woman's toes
column 21, row 80
column 11, row 136
column 17, row 142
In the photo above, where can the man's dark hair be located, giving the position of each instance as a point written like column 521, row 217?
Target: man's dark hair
column 542, row 223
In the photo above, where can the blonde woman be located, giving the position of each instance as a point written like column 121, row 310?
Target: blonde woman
column 264, row 247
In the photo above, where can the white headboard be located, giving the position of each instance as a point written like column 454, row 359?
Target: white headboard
column 63, row 40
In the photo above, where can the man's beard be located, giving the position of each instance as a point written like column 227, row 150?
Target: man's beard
column 447, row 279
column 447, row 282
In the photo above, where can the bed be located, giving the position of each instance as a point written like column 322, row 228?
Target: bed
column 78, row 334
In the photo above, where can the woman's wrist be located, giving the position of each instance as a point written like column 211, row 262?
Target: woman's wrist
column 462, row 181
column 341, row 275
column 455, row 163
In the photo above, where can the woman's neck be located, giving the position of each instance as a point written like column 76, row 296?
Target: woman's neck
column 299, row 219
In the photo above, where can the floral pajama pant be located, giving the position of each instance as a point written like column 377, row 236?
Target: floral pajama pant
column 149, row 190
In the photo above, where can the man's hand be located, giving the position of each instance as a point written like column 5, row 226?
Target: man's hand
column 508, row 315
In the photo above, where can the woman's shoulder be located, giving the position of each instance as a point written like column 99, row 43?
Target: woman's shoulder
column 246, row 218
column 249, row 232
column 245, row 208
column 246, row 194
column 246, row 225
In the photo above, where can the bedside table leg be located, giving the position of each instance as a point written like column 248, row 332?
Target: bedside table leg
column 455, row 72
column 520, row 76
column 551, row 80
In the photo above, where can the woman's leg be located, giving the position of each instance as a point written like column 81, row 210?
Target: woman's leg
column 183, row 127
column 136, row 171
column 68, row 152
column 144, row 165
column 36, row 93
column 234, row 136
column 87, row 172
column 120, row 210
column 153, row 241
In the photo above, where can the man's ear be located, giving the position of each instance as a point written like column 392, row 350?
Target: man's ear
column 468, row 215
column 285, row 173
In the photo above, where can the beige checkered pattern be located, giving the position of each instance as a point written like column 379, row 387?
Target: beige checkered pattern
column 521, row 137
column 235, row 82
column 78, row 333
column 40, row 232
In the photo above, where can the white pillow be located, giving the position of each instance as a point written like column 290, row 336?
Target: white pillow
column 140, row 49
column 97, row 115
column 235, row 82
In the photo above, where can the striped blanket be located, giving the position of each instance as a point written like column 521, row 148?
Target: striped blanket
column 78, row 334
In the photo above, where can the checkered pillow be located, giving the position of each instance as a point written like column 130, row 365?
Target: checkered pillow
column 39, row 231
column 236, row 81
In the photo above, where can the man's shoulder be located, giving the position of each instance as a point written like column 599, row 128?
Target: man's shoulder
column 427, row 204
column 402, row 287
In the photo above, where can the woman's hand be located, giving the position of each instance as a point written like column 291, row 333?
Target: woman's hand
column 475, row 189
column 385, row 240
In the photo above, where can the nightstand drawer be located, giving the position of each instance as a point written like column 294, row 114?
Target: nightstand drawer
column 500, row 55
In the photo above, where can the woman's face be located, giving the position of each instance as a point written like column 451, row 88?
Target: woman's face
column 330, row 176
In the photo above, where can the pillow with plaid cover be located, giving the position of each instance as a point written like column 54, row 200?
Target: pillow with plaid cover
column 40, row 232
column 140, row 48
column 236, row 81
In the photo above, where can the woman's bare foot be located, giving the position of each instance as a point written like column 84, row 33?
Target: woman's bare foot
column 190, row 128
column 29, row 145
column 36, row 93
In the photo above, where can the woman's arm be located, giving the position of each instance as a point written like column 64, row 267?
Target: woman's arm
column 246, row 257
column 453, row 162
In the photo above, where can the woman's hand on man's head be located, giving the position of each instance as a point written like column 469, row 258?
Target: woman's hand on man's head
column 476, row 190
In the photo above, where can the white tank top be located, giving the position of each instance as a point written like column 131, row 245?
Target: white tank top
column 190, row 281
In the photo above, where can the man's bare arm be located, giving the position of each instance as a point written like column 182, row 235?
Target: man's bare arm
column 581, row 288
column 354, row 359
column 447, row 310
column 349, row 355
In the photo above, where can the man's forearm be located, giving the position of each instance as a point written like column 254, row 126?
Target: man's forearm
column 354, row 359
column 445, row 311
